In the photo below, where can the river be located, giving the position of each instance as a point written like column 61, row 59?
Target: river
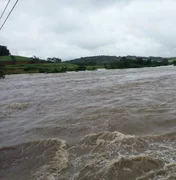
column 105, row 124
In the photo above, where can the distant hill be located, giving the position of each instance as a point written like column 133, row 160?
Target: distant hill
column 102, row 60
column 94, row 60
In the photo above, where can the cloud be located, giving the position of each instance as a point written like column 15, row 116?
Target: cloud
column 70, row 29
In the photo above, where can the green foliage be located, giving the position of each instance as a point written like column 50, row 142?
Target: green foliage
column 174, row 62
column 30, row 68
column 113, row 62
column 40, row 68
column 81, row 67
column 138, row 62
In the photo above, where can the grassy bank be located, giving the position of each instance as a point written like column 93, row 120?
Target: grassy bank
column 24, row 65
column 44, row 68
column 18, row 59
column 39, row 68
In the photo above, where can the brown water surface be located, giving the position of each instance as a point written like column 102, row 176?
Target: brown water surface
column 115, row 124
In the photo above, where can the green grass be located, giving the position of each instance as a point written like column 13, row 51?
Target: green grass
column 43, row 67
column 36, row 68
column 18, row 58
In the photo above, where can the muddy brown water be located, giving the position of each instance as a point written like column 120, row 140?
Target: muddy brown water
column 105, row 124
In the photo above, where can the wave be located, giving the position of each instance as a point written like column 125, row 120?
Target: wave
column 33, row 160
column 105, row 155
column 115, row 156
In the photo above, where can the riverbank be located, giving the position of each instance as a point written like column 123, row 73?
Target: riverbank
column 24, row 65
column 46, row 68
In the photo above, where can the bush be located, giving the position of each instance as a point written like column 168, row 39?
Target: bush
column 43, row 70
column 174, row 62
column 80, row 68
column 30, row 68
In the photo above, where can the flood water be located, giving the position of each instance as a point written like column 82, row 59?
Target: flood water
column 106, row 124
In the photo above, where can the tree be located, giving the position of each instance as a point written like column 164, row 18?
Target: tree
column 139, row 61
column 4, row 51
column 81, row 67
column 124, row 62
column 34, row 60
column 49, row 59
column 148, row 62
column 174, row 62
column 165, row 62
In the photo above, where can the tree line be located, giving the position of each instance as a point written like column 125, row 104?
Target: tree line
column 114, row 62
column 137, row 62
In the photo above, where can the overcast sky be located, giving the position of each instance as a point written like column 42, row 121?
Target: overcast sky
column 76, row 28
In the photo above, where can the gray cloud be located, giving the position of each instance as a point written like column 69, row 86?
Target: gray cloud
column 70, row 29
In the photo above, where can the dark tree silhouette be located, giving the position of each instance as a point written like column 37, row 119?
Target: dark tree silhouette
column 34, row 60
column 54, row 59
column 4, row 51
column 174, row 62
column 139, row 61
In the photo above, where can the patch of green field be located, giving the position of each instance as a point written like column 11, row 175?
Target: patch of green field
column 170, row 60
column 43, row 65
column 18, row 58
column 37, row 68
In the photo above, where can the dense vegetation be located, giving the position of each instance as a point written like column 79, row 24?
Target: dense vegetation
column 137, row 62
column 174, row 62
column 114, row 62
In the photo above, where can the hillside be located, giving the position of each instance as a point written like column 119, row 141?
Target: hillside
column 102, row 60
column 18, row 58
column 94, row 60
column 7, row 60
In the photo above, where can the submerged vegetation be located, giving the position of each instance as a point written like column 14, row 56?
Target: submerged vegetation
column 10, row 64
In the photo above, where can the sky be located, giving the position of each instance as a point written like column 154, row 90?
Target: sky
column 71, row 29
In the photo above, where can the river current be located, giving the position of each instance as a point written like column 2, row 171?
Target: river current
column 105, row 124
